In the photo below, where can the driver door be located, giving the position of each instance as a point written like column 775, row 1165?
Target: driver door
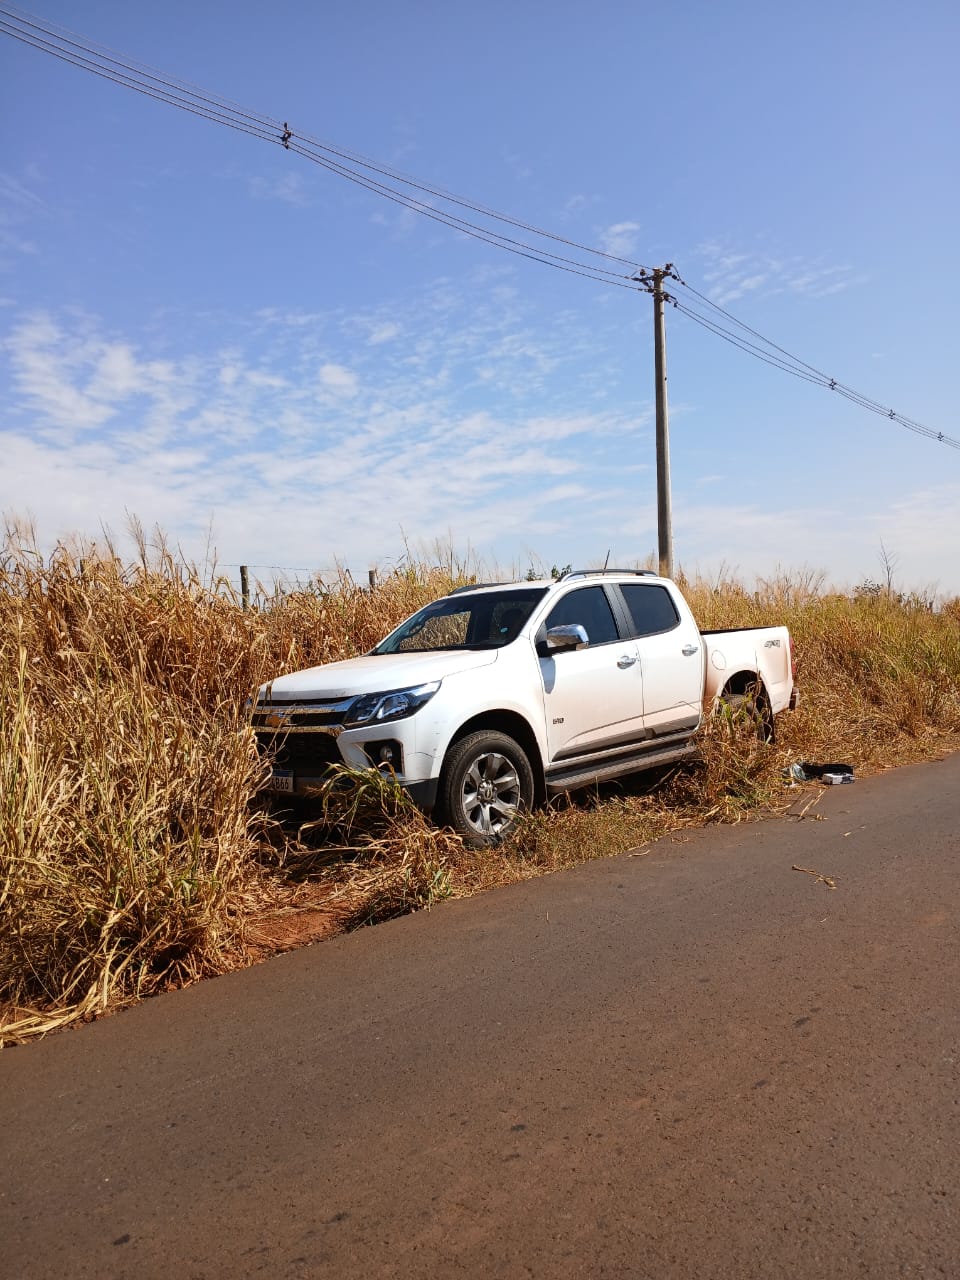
column 593, row 697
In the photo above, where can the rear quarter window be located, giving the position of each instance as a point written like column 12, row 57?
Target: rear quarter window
column 651, row 609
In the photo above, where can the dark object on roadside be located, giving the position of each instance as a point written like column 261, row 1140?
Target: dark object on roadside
column 830, row 774
column 825, row 772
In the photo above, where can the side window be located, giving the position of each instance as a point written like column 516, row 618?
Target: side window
column 588, row 606
column 651, row 609
column 506, row 620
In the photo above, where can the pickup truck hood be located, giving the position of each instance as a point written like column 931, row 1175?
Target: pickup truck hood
column 374, row 674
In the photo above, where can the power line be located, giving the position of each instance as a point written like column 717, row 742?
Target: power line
column 495, row 238
column 772, row 354
column 78, row 52
column 127, row 82
column 69, row 47
column 139, row 70
column 125, row 62
column 740, row 324
column 31, row 19
column 749, row 347
column 600, row 275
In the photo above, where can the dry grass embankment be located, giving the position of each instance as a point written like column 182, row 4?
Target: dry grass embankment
column 135, row 854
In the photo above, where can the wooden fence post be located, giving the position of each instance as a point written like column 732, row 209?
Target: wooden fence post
column 245, row 586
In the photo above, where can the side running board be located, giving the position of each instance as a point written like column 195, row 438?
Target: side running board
column 560, row 780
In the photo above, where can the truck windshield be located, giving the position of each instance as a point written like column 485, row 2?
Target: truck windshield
column 468, row 620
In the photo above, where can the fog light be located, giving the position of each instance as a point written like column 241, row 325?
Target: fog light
column 385, row 755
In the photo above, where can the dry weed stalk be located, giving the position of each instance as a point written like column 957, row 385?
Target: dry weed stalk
column 134, row 849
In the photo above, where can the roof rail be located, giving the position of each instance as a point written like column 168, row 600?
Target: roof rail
column 473, row 586
column 586, row 573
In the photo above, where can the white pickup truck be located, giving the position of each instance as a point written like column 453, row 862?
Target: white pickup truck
column 499, row 695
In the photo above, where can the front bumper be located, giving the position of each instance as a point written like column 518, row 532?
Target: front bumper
column 304, row 785
column 301, row 758
column 423, row 794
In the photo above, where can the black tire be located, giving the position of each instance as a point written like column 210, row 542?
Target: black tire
column 749, row 710
column 485, row 782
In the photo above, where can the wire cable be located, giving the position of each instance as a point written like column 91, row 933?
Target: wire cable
column 52, row 28
column 748, row 347
column 824, row 379
column 129, row 83
column 208, row 111
column 130, row 74
column 799, row 369
column 472, row 229
column 146, row 73
column 127, row 73
column 767, row 342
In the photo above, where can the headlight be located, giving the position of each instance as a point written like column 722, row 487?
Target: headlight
column 396, row 704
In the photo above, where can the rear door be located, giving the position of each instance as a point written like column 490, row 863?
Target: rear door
column 671, row 657
column 593, row 697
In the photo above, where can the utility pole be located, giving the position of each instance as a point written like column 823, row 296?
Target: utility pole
column 664, row 513
column 653, row 282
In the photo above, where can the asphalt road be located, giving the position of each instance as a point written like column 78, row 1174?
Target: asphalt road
column 695, row 1063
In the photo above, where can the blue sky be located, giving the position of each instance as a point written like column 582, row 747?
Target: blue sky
column 213, row 334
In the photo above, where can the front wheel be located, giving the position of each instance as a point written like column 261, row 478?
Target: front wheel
column 486, row 781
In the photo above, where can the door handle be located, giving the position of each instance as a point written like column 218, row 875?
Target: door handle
column 689, row 650
column 626, row 660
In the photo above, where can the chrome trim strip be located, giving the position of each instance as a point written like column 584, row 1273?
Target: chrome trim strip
column 331, row 730
column 277, row 706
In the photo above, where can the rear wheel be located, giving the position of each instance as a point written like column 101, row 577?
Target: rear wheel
column 486, row 781
column 749, row 711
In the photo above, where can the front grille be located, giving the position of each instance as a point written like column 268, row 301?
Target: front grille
column 306, row 753
column 298, row 719
column 276, row 715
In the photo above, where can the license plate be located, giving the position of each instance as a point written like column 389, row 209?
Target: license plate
column 281, row 780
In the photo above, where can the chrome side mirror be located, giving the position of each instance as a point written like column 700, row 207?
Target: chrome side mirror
column 570, row 636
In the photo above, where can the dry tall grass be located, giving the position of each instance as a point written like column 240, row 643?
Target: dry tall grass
column 134, row 850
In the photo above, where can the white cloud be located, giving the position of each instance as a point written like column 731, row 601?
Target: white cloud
column 620, row 238
column 731, row 275
column 385, row 332
column 261, row 378
column 400, row 222
column 339, row 380
column 19, row 206
column 117, row 374
column 16, row 192
column 276, row 318
column 384, row 444
column 304, row 443
column 835, row 539
column 288, row 188
column 518, row 166
column 44, row 368
column 575, row 204
column 14, row 243
column 76, row 380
